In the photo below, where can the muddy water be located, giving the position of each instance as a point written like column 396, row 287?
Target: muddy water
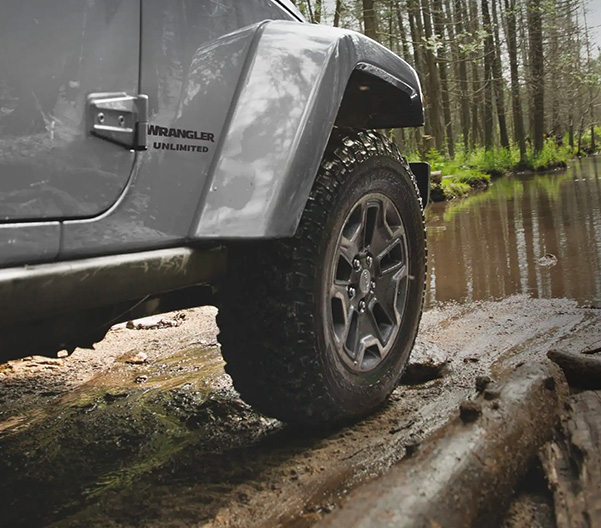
column 538, row 234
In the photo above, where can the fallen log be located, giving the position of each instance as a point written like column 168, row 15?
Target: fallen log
column 466, row 474
column 572, row 463
column 581, row 370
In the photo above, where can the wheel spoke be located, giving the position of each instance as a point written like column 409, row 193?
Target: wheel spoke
column 370, row 223
column 371, row 326
column 391, row 259
column 393, row 222
column 340, row 291
column 341, row 307
column 352, row 335
column 352, row 233
column 371, row 344
column 348, row 249
column 386, row 292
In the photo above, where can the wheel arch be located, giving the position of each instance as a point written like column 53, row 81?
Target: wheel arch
column 300, row 82
column 373, row 99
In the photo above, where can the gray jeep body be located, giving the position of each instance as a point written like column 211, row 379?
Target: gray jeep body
column 138, row 138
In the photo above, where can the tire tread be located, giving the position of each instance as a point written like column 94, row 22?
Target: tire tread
column 274, row 364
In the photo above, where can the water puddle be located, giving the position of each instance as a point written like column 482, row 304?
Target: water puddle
column 538, row 234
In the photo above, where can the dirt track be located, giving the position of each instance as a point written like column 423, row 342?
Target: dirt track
column 92, row 440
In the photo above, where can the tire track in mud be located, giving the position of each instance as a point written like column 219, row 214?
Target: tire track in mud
column 181, row 449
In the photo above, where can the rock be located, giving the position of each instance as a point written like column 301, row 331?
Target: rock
column 572, row 463
column 592, row 351
column 411, row 448
column 482, row 382
column 137, row 359
column 427, row 363
column 52, row 362
column 469, row 411
column 62, row 354
column 111, row 397
column 547, row 261
column 436, row 176
column 141, row 379
column 207, row 342
column 492, row 394
column 156, row 321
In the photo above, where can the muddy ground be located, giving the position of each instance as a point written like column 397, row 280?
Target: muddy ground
column 147, row 430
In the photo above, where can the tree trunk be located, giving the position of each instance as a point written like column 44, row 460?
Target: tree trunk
column 498, row 83
column 516, row 103
column 582, row 370
column 310, row 11
column 476, row 96
column 572, row 463
column 535, row 33
column 462, row 74
column 337, row 12
column 488, row 60
column 433, row 96
column 415, row 26
column 555, row 81
column 402, row 32
column 370, row 22
column 466, row 473
column 438, row 19
column 318, row 11
column 590, row 89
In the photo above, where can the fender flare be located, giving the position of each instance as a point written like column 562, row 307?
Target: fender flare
column 298, row 82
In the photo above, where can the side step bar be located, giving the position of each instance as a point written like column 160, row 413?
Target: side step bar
column 28, row 293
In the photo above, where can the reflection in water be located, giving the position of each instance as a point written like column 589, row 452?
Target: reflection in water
column 494, row 244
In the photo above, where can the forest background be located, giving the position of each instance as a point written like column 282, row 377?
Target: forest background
column 509, row 85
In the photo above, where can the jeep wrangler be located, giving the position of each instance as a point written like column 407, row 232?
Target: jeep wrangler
column 162, row 154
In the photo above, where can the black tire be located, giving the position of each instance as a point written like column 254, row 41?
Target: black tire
column 280, row 327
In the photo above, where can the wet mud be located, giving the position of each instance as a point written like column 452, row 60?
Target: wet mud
column 101, row 439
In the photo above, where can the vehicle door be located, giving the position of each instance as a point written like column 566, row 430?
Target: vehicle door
column 66, row 123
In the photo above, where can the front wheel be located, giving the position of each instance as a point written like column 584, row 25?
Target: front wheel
column 318, row 328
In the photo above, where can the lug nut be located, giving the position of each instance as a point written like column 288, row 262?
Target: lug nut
column 356, row 264
column 361, row 306
column 351, row 292
column 369, row 260
column 373, row 285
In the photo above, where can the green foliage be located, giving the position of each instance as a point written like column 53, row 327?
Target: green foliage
column 552, row 156
column 586, row 137
column 454, row 188
column 435, row 159
column 495, row 162
column 474, row 169
column 472, row 178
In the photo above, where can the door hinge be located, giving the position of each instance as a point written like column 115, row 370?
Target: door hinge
column 119, row 118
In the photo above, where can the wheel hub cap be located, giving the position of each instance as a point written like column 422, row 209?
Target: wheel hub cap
column 365, row 281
